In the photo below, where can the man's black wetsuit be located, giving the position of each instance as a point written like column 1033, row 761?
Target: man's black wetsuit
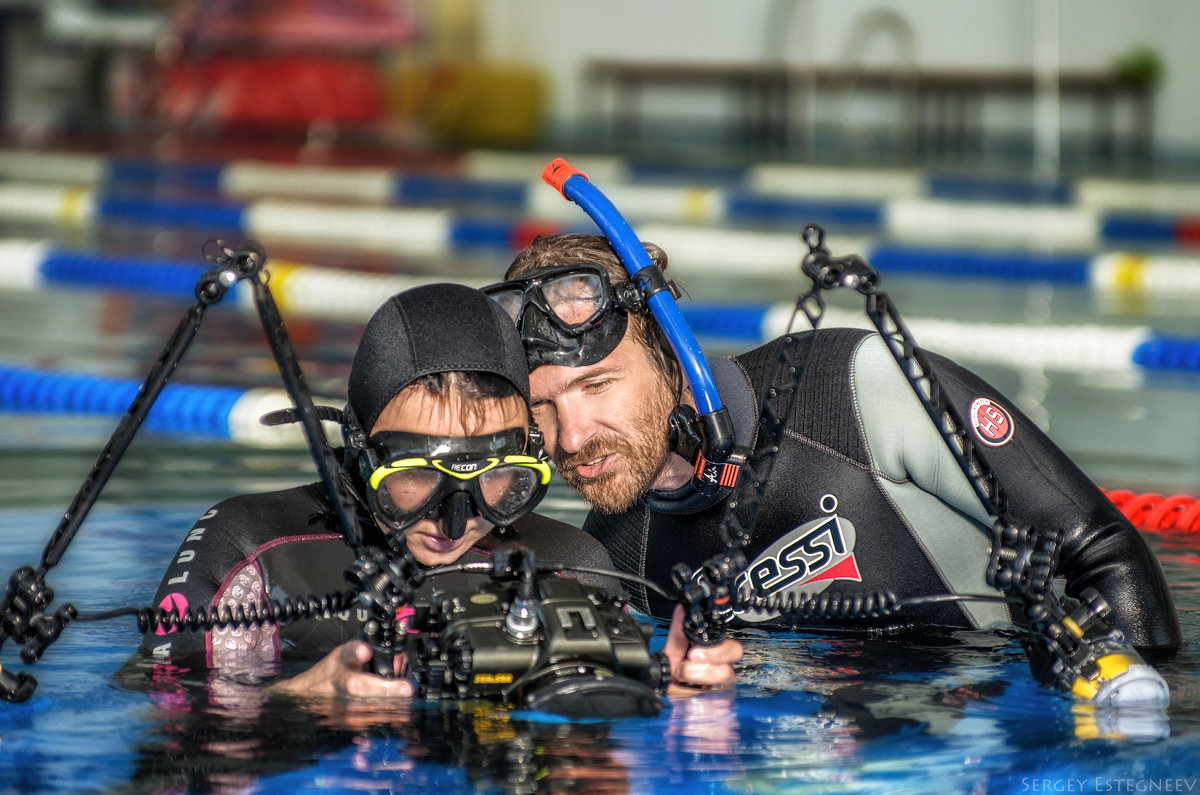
column 286, row 544
column 865, row 496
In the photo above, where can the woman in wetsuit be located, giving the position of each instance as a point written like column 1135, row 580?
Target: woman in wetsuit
column 439, row 373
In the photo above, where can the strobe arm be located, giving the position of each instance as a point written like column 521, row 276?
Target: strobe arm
column 1083, row 654
column 27, row 596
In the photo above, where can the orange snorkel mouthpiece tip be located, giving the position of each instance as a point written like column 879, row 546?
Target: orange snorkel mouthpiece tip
column 558, row 171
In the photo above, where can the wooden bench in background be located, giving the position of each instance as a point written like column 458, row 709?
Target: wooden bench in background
column 940, row 111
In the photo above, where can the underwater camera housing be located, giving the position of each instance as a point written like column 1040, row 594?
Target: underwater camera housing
column 539, row 641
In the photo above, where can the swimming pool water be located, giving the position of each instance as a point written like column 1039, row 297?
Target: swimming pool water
column 810, row 713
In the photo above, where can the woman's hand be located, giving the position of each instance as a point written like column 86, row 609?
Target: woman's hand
column 340, row 673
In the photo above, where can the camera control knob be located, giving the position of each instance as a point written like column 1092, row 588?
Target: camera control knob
column 522, row 621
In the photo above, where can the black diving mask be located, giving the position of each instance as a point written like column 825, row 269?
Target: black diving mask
column 566, row 314
column 413, row 476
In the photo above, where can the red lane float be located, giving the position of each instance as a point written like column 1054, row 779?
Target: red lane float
column 1152, row 511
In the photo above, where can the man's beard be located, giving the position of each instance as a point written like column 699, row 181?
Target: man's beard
column 643, row 452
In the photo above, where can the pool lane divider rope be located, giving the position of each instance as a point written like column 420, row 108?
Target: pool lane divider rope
column 439, row 230
column 1071, row 348
column 232, row 414
column 320, row 293
column 696, row 251
column 304, row 290
column 508, row 179
column 1156, row 512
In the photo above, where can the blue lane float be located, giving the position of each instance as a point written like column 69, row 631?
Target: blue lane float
column 185, row 409
column 147, row 172
column 160, row 276
column 158, row 211
column 190, row 410
column 1144, row 228
column 1016, row 190
column 422, row 189
column 1019, row 266
column 1171, row 354
column 741, row 206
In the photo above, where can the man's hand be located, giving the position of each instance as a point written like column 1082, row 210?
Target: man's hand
column 341, row 674
column 695, row 668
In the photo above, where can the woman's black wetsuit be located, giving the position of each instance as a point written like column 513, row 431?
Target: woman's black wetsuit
column 865, row 496
column 285, row 544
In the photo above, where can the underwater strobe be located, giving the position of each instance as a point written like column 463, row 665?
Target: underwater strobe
column 1071, row 646
column 1094, row 662
column 535, row 640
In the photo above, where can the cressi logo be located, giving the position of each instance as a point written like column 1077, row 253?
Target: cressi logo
column 992, row 424
column 172, row 603
column 807, row 560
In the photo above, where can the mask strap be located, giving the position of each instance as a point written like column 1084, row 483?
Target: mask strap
column 358, row 456
column 536, row 444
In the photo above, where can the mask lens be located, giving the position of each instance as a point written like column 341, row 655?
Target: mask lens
column 508, row 488
column 575, row 298
column 510, row 300
column 402, row 493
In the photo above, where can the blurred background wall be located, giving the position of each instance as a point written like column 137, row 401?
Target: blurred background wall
column 522, row 73
column 932, row 34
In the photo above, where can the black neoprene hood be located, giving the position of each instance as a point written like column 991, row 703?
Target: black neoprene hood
column 435, row 328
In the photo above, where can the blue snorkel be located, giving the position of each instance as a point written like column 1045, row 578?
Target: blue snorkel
column 716, row 464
